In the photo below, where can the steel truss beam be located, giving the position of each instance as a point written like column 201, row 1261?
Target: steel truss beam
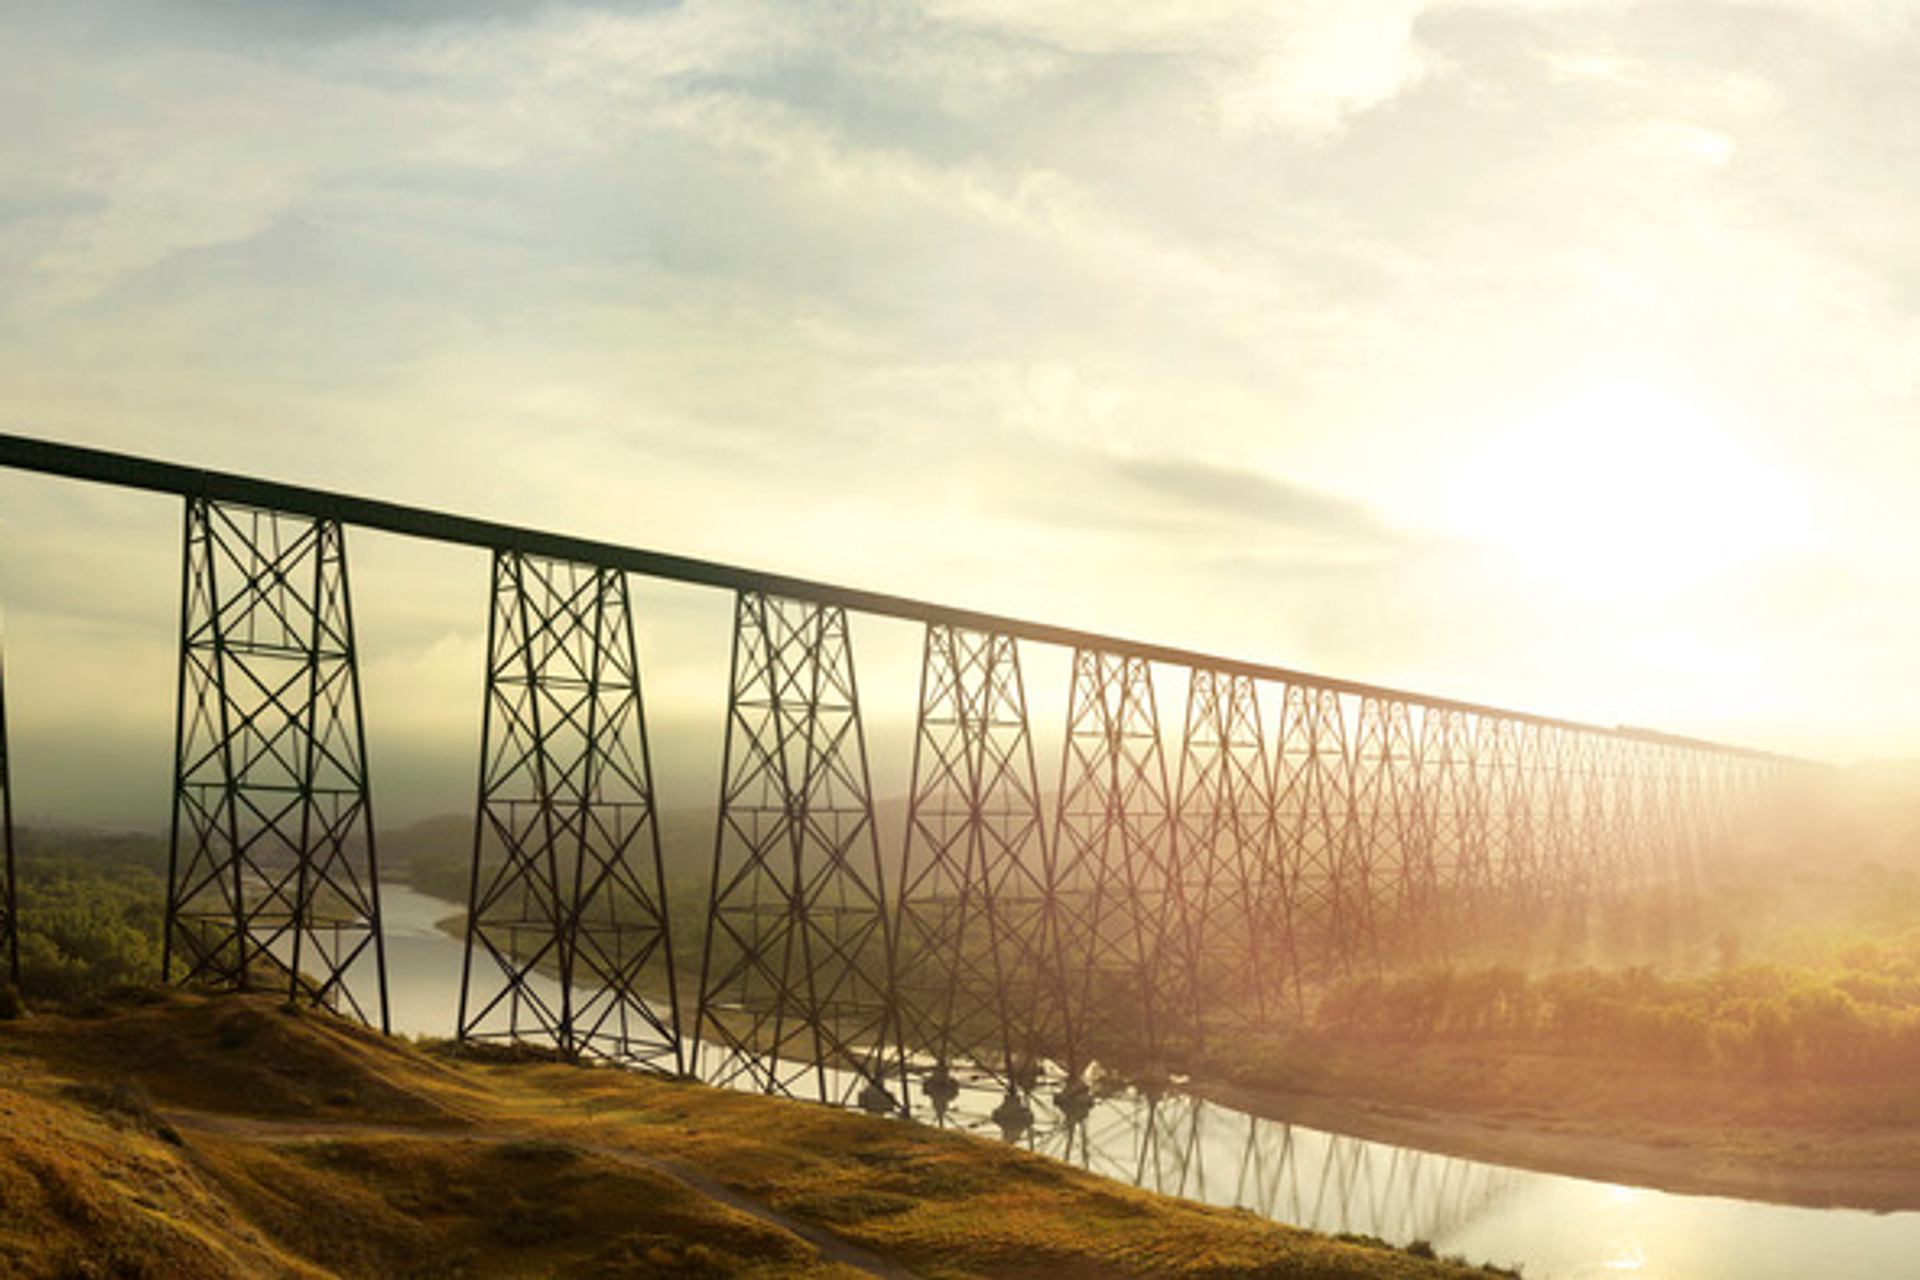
column 1112, row 842
column 272, row 876
column 796, row 986
column 568, row 940
column 9, row 886
column 977, row 962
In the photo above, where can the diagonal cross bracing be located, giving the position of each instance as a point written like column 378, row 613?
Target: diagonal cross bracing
column 272, row 876
column 1322, row 849
column 976, row 959
column 796, row 987
column 1390, row 816
column 568, row 938
column 1112, row 843
column 1234, row 956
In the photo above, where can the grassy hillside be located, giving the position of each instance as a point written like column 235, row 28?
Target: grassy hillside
column 176, row 1135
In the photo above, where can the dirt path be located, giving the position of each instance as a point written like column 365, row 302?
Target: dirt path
column 832, row 1247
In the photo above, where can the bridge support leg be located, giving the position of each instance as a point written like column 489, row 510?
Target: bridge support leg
column 1448, row 817
column 797, row 996
column 1112, row 841
column 1553, row 807
column 1327, row 860
column 1232, row 958
column 1388, row 814
column 975, row 962
column 568, row 941
column 272, row 876
column 9, row 887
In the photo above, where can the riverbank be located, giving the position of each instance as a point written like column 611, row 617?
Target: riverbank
column 1794, row 1143
column 181, row 1135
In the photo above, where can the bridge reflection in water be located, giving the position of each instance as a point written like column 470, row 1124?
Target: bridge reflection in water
column 1184, row 1146
column 1553, row 1225
column 1175, row 1144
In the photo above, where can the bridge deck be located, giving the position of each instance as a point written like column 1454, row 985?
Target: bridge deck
column 25, row 453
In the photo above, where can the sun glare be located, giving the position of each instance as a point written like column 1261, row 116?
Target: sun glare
column 1625, row 494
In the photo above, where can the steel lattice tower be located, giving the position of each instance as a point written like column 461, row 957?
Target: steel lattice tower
column 1319, row 835
column 1389, row 813
column 568, row 938
column 1513, row 763
column 272, row 877
column 1236, row 954
column 1479, row 816
column 796, row 982
column 1495, row 775
column 9, row 887
column 1586, row 876
column 1629, row 833
column 1445, row 813
column 1112, row 845
column 1554, row 803
column 976, row 958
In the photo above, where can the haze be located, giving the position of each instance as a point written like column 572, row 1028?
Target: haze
column 1567, row 367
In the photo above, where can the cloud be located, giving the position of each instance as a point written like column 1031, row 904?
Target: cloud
column 1173, row 321
column 1216, row 493
column 1302, row 67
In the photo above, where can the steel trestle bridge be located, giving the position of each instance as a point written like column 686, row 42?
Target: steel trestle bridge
column 1164, row 884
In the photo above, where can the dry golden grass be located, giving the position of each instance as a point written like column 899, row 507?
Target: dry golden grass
column 193, row 1137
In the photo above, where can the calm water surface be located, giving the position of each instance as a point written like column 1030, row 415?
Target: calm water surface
column 1569, row 1228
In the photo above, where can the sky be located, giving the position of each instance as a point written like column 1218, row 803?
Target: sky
column 1550, row 354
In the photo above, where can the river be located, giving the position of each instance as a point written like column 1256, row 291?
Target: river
column 1553, row 1226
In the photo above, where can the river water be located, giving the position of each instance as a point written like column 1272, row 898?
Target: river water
column 1553, row 1226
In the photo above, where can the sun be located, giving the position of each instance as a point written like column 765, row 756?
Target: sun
column 1625, row 493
